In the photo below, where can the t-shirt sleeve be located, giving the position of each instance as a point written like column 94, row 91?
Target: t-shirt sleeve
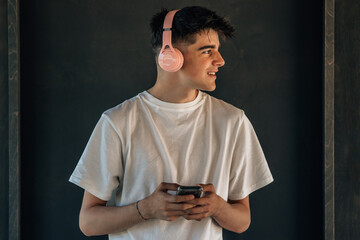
column 249, row 170
column 100, row 166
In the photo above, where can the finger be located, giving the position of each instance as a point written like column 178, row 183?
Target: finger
column 198, row 201
column 175, row 213
column 180, row 207
column 208, row 187
column 197, row 217
column 180, row 198
column 187, row 218
column 164, row 186
column 172, row 218
column 198, row 210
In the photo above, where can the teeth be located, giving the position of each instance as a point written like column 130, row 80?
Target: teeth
column 211, row 73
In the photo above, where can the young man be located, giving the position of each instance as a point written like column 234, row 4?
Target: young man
column 173, row 134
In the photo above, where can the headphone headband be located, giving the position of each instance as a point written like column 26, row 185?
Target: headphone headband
column 167, row 28
column 169, row 18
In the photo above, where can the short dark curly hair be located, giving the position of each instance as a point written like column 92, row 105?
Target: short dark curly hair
column 188, row 22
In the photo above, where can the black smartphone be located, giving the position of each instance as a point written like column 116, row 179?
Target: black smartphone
column 186, row 190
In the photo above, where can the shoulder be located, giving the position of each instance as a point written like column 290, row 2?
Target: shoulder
column 119, row 115
column 223, row 109
column 123, row 109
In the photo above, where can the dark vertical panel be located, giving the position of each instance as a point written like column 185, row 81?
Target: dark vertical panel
column 347, row 120
column 4, row 123
column 309, row 43
column 14, row 118
column 329, row 201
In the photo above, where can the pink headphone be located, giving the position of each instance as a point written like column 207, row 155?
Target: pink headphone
column 170, row 59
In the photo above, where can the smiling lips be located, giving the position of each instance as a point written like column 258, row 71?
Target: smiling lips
column 212, row 73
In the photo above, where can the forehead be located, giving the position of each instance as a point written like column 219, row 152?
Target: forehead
column 208, row 36
column 204, row 38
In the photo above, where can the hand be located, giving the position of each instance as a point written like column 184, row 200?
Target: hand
column 162, row 205
column 209, row 205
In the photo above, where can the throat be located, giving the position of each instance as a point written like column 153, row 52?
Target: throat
column 174, row 96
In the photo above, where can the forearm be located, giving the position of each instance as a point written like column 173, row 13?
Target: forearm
column 97, row 219
column 234, row 217
column 101, row 220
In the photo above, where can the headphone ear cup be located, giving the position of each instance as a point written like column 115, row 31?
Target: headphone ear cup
column 171, row 60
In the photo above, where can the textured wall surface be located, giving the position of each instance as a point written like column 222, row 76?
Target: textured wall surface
column 329, row 75
column 81, row 58
column 14, row 117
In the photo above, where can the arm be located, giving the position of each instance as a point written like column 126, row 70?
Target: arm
column 233, row 215
column 98, row 219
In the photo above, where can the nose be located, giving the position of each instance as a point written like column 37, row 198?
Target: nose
column 219, row 61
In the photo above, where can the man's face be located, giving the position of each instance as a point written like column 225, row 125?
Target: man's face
column 201, row 61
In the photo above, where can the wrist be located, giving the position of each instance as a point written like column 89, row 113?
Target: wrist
column 140, row 210
column 143, row 209
column 221, row 206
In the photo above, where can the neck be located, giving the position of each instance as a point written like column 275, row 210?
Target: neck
column 168, row 89
column 173, row 95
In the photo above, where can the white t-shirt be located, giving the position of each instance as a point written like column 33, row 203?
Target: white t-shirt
column 144, row 141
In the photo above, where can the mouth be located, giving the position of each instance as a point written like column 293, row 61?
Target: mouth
column 213, row 73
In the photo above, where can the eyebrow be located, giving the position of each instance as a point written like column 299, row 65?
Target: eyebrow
column 206, row 47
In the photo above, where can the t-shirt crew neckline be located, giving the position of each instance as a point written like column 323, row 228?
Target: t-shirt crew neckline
column 174, row 106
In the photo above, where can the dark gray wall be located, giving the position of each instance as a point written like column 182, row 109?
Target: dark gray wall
column 347, row 120
column 4, row 126
column 80, row 58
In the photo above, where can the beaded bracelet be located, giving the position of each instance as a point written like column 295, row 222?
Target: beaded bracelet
column 137, row 207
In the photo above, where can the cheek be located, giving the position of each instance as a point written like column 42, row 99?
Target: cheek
column 188, row 62
column 194, row 67
column 190, row 67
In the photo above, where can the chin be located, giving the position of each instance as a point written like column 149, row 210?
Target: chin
column 212, row 87
column 208, row 89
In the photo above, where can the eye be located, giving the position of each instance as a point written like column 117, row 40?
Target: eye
column 207, row 51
